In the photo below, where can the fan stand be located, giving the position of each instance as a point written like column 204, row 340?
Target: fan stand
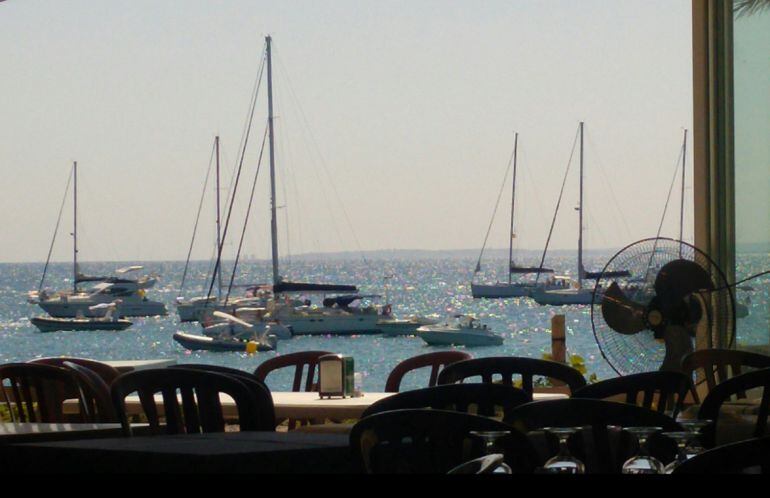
column 678, row 344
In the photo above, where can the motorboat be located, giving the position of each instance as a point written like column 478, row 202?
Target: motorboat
column 463, row 330
column 203, row 343
column 109, row 321
column 392, row 326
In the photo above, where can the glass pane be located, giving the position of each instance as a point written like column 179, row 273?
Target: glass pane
column 752, row 169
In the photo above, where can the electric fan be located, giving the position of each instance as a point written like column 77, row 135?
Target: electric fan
column 672, row 300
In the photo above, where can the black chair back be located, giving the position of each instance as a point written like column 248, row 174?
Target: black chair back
column 190, row 400
column 751, row 457
column 96, row 393
column 717, row 365
column 432, row 441
column 36, row 393
column 663, row 392
column 436, row 361
column 736, row 387
column 505, row 368
column 487, row 400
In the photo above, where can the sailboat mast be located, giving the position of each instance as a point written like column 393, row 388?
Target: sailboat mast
column 513, row 204
column 273, row 219
column 219, row 232
column 75, row 228
column 681, row 207
column 580, row 210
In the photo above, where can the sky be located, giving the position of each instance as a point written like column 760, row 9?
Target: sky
column 394, row 122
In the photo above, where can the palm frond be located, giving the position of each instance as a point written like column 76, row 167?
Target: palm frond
column 750, row 7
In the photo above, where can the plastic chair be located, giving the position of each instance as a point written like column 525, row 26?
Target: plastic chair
column 299, row 361
column 96, row 393
column 736, row 386
column 507, row 367
column 487, row 400
column 600, row 449
column 36, row 393
column 107, row 372
column 432, row 441
column 482, row 465
column 660, row 390
column 749, row 457
column 200, row 409
column 717, row 365
column 436, row 361
column 262, row 391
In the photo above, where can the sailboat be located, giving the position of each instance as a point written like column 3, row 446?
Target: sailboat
column 191, row 310
column 79, row 302
column 510, row 288
column 576, row 293
column 335, row 316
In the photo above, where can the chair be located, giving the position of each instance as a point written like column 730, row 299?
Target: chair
column 482, row 465
column 750, row 457
column 432, row 441
column 297, row 360
column 488, row 400
column 602, row 450
column 509, row 366
column 263, row 392
column 736, row 386
column 436, row 361
column 36, row 393
column 199, row 391
column 107, row 372
column 712, row 365
column 659, row 390
column 96, row 393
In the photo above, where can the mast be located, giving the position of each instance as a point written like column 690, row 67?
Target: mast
column 580, row 210
column 513, row 204
column 681, row 207
column 75, row 228
column 273, row 219
column 219, row 233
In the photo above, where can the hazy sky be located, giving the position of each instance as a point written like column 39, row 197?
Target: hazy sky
column 395, row 120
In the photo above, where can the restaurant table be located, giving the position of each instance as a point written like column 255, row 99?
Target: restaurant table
column 231, row 452
column 11, row 432
column 302, row 405
column 124, row 366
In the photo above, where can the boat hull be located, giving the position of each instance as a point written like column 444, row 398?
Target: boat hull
column 495, row 291
column 335, row 325
column 45, row 324
column 565, row 297
column 433, row 338
column 73, row 309
column 202, row 343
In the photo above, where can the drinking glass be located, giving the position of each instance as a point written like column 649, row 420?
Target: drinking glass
column 563, row 462
column 490, row 447
column 695, row 427
column 643, row 462
column 681, row 439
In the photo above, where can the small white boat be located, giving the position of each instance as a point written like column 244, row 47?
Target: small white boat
column 393, row 327
column 109, row 321
column 237, row 327
column 465, row 331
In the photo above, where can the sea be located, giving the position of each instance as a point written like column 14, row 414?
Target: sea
column 433, row 286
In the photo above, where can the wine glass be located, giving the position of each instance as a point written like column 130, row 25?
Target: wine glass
column 695, row 427
column 490, row 447
column 681, row 438
column 643, row 462
column 563, row 462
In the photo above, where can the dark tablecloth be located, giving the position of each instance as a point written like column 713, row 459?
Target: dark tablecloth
column 238, row 452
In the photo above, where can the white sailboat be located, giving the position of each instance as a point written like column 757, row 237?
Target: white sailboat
column 511, row 288
column 79, row 302
column 574, row 292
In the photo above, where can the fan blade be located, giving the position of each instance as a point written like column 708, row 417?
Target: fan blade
column 680, row 278
column 678, row 343
column 622, row 314
column 231, row 318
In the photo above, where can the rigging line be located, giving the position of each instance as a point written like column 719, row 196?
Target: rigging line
column 608, row 184
column 56, row 230
column 237, row 178
column 197, row 218
column 494, row 213
column 558, row 203
column 323, row 164
column 284, row 169
column 248, row 211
